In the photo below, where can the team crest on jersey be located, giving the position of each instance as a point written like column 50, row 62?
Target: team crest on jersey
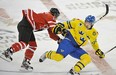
column 94, row 33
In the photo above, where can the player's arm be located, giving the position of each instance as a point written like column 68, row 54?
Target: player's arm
column 54, row 36
column 97, row 49
column 95, row 45
column 61, row 28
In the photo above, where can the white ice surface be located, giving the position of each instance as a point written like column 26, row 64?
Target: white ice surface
column 105, row 27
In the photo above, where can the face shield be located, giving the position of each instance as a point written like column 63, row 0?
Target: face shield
column 89, row 21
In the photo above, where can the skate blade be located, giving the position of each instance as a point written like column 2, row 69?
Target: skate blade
column 25, row 70
column 72, row 74
column 4, row 58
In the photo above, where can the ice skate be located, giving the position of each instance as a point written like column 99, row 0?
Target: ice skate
column 43, row 57
column 6, row 55
column 26, row 65
column 71, row 72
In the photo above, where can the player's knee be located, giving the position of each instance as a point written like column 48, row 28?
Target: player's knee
column 86, row 58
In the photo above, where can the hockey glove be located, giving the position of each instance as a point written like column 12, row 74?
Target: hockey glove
column 58, row 28
column 64, row 32
column 59, row 40
column 100, row 53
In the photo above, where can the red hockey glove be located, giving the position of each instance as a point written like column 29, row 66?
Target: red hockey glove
column 59, row 40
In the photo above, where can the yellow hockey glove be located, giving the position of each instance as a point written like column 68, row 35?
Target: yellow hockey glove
column 58, row 28
column 100, row 53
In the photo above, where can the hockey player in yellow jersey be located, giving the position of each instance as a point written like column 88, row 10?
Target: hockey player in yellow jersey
column 77, row 33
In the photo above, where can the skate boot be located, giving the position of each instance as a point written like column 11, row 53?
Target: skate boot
column 71, row 72
column 43, row 57
column 7, row 54
column 26, row 65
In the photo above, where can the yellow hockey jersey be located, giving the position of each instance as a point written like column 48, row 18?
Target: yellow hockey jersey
column 81, row 34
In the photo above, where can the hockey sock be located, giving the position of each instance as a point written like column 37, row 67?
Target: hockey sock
column 84, row 60
column 18, row 46
column 30, row 50
column 54, row 56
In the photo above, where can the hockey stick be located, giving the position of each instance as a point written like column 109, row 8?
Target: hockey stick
column 107, row 10
column 110, row 50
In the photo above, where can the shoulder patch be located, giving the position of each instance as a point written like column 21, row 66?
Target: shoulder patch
column 94, row 33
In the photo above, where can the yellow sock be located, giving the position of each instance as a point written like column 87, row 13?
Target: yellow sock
column 54, row 56
column 84, row 60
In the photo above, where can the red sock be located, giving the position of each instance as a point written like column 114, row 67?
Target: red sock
column 18, row 46
column 30, row 51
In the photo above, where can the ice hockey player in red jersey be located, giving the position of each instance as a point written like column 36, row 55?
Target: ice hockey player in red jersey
column 30, row 23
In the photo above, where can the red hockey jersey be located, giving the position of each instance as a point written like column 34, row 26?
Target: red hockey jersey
column 41, row 21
